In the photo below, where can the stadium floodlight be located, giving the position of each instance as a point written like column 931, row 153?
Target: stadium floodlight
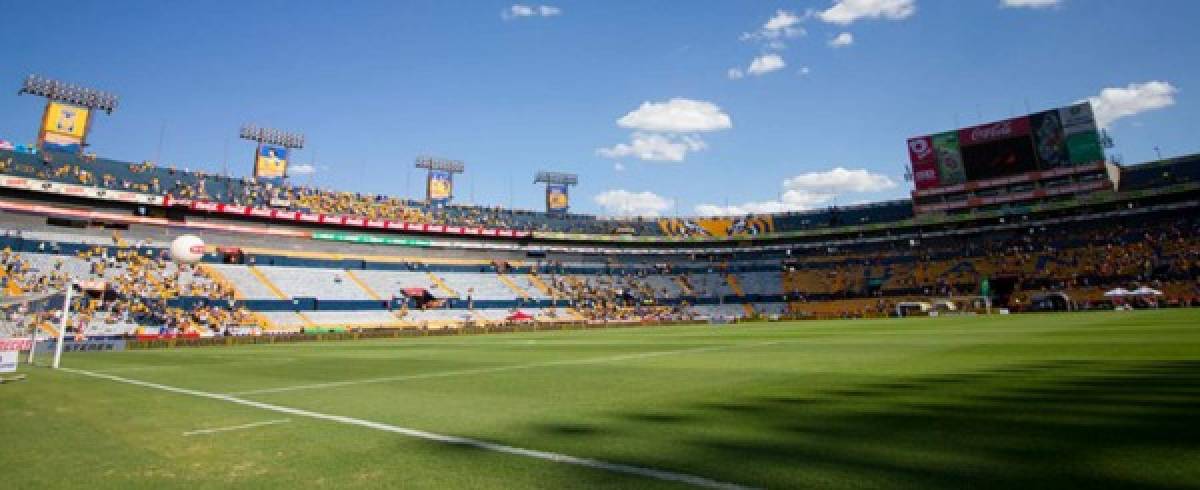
column 1106, row 140
column 548, row 177
column 439, row 177
column 271, row 136
column 443, row 164
column 69, row 93
column 557, row 184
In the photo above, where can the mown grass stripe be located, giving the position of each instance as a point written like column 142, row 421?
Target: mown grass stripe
column 664, row 475
column 496, row 369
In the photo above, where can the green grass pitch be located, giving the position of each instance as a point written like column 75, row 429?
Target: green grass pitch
column 1086, row 400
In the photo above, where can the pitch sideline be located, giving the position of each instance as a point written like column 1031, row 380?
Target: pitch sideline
column 665, row 475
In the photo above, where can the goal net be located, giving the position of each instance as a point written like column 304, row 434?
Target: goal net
column 30, row 329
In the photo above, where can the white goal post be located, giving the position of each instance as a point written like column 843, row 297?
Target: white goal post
column 23, row 321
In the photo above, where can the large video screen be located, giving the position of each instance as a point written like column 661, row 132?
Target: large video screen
column 1039, row 141
column 999, row 158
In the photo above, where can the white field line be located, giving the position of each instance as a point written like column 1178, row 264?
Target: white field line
column 684, row 478
column 266, row 361
column 125, row 369
column 497, row 369
column 234, row 427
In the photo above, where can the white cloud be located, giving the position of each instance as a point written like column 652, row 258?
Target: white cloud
column 301, row 169
column 783, row 25
column 766, row 63
column 621, row 202
column 841, row 179
column 759, row 66
column 518, row 11
column 842, row 40
column 618, row 167
column 677, row 115
column 1037, row 4
column 655, row 147
column 807, row 191
column 1117, row 102
column 665, row 130
column 845, row 12
column 791, row 201
column 782, row 20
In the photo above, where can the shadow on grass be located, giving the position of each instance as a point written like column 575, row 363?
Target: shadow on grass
column 1067, row 424
column 568, row 429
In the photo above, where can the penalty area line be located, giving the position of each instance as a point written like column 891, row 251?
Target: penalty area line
column 640, row 471
column 235, row 427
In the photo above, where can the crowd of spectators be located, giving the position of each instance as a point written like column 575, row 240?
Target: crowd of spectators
column 1079, row 258
column 149, row 178
column 1083, row 260
column 125, row 285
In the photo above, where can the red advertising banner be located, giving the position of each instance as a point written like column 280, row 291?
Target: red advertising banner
column 1001, row 130
column 924, row 162
column 15, row 344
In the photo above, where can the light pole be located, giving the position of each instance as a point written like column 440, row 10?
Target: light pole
column 273, row 139
column 441, row 170
column 557, row 185
column 68, row 113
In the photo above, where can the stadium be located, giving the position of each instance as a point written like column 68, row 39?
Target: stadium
column 1026, row 316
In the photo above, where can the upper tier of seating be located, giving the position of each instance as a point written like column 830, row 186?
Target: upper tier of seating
column 178, row 183
column 1171, row 171
column 183, row 183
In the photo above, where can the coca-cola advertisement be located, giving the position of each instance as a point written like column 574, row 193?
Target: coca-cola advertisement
column 1000, row 130
column 924, row 162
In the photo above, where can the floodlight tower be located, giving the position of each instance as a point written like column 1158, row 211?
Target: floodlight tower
column 68, row 113
column 557, row 184
column 439, row 178
column 271, row 155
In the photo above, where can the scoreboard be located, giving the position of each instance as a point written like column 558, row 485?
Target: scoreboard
column 1046, row 140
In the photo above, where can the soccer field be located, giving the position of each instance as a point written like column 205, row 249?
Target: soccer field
column 1071, row 400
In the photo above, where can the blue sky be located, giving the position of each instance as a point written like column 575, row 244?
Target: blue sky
column 514, row 88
